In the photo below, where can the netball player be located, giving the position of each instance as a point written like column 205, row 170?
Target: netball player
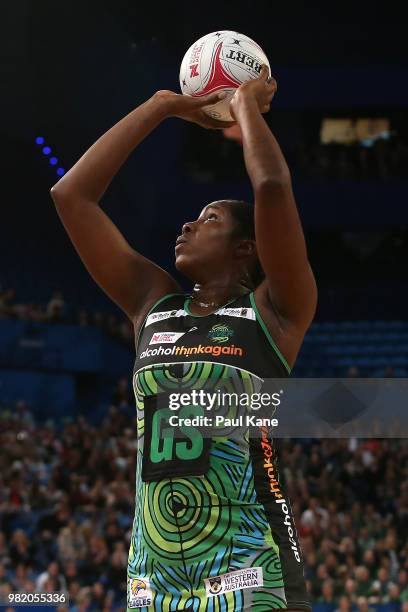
column 213, row 528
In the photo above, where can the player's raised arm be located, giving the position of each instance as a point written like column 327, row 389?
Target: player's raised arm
column 279, row 236
column 131, row 280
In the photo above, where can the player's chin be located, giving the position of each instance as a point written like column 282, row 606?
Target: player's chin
column 182, row 262
column 185, row 265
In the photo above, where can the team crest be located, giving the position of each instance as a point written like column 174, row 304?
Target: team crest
column 137, row 585
column 139, row 593
column 220, row 333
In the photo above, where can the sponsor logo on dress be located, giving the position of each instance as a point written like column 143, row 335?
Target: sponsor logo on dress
column 274, row 488
column 220, row 333
column 248, row 578
column 161, row 316
column 243, row 313
column 139, row 593
column 166, row 337
column 190, row 351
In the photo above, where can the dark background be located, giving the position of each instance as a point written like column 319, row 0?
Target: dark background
column 70, row 70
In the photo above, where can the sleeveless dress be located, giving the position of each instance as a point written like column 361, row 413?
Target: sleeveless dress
column 213, row 529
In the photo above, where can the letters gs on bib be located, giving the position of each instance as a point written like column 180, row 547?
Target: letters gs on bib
column 220, row 61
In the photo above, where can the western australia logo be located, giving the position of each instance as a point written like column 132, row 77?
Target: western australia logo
column 215, row 584
column 248, row 578
column 220, row 333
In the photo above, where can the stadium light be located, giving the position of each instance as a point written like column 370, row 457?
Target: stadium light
column 46, row 150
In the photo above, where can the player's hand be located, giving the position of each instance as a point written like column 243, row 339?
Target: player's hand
column 191, row 108
column 261, row 90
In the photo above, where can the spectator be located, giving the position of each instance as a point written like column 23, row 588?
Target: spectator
column 369, row 562
column 23, row 415
column 381, row 159
column 20, row 577
column 363, row 605
column 4, row 553
column 379, row 588
column 3, row 574
column 51, row 580
column 344, row 604
column 363, row 582
column 20, row 549
column 56, row 307
column 122, row 396
column 56, row 311
column 97, row 597
column 327, row 596
column 83, row 318
column 71, row 543
column 315, row 516
column 7, row 303
column 403, row 584
column 350, row 589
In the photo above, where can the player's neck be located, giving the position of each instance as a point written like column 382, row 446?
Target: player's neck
column 213, row 295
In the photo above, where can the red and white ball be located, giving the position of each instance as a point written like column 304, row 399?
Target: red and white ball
column 220, row 61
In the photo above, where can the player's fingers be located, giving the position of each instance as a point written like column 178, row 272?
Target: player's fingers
column 211, row 98
column 266, row 99
column 218, row 125
column 264, row 72
column 271, row 84
column 209, row 122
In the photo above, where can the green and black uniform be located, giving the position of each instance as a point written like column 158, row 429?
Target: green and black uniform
column 213, row 529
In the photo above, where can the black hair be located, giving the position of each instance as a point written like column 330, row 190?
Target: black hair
column 244, row 227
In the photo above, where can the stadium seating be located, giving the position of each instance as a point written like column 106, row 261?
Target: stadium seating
column 375, row 348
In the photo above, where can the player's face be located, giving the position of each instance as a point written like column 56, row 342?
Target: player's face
column 204, row 247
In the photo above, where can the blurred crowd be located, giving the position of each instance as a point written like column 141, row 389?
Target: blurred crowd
column 379, row 158
column 385, row 158
column 351, row 500
column 58, row 311
column 66, row 507
column 67, row 500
